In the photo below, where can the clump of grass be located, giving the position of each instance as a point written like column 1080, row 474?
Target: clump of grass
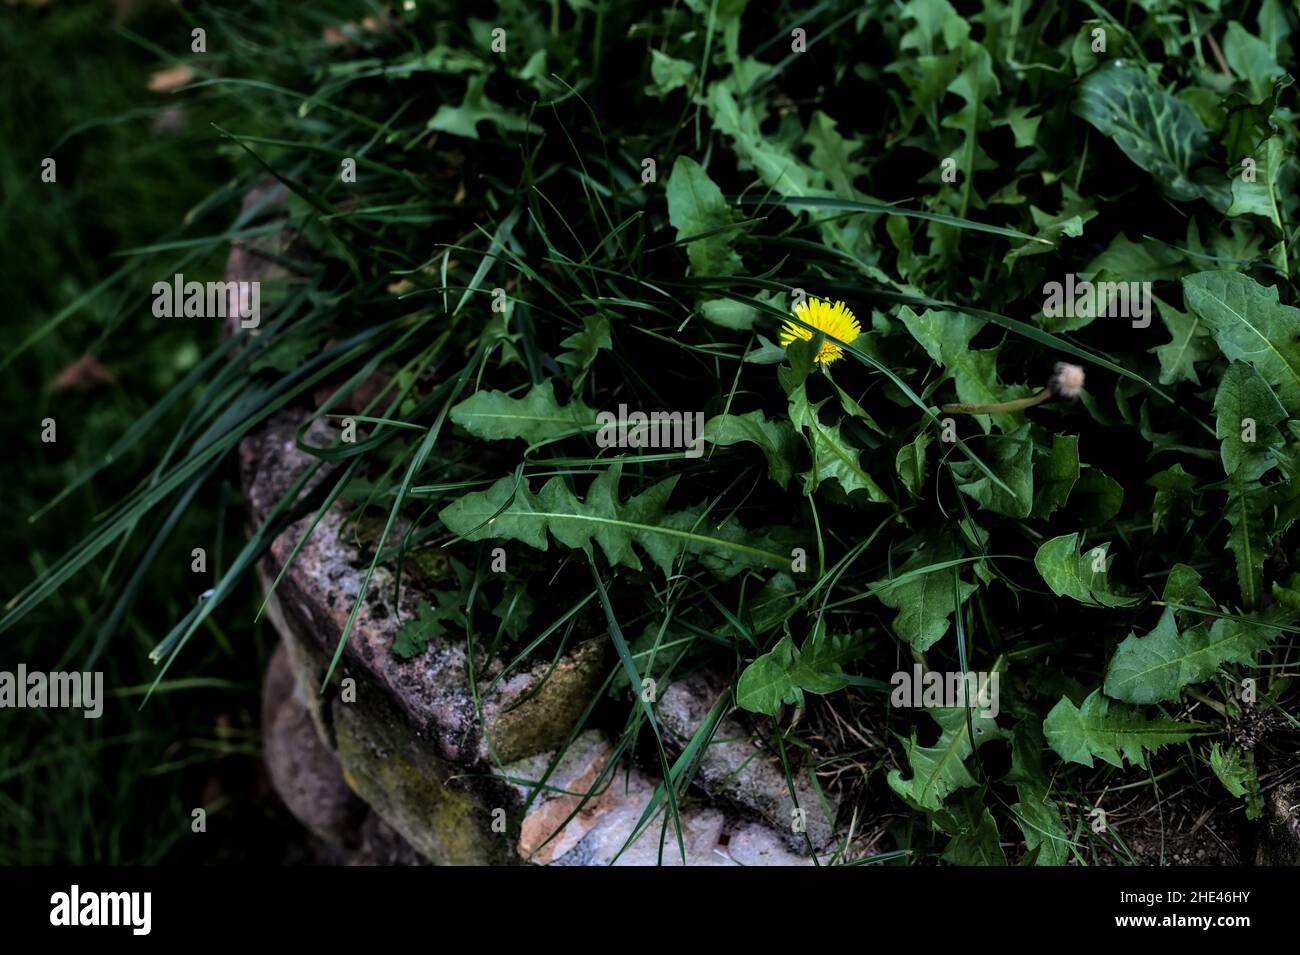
column 622, row 207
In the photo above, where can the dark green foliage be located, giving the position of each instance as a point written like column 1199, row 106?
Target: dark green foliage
column 621, row 208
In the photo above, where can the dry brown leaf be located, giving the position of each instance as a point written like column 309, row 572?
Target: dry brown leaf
column 84, row 374
column 170, row 79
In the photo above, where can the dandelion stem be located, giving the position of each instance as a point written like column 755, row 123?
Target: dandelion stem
column 1003, row 407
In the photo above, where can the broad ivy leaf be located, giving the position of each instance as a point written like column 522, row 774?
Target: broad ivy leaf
column 537, row 416
column 938, row 770
column 1251, row 325
column 1111, row 732
column 695, row 207
column 786, row 672
column 1081, row 576
column 1248, row 414
column 1156, row 130
column 776, row 439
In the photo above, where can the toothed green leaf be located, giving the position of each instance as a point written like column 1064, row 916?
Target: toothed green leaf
column 939, row 770
column 1156, row 667
column 509, row 512
column 1010, row 457
column 834, row 457
column 1111, row 732
column 1237, row 777
column 776, row 439
column 1055, row 475
column 1246, row 512
column 1251, row 325
column 537, row 416
column 475, row 108
column 1085, row 577
column 946, row 338
column 696, row 209
column 923, row 594
column 786, row 672
column 1247, row 415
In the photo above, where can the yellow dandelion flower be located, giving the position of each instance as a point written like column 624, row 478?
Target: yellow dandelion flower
column 834, row 319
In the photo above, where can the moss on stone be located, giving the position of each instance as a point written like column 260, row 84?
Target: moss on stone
column 543, row 721
column 412, row 791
